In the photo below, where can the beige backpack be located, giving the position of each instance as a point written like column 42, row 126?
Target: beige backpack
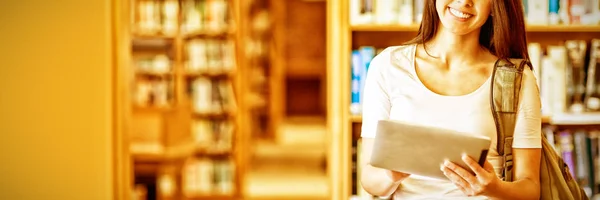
column 555, row 180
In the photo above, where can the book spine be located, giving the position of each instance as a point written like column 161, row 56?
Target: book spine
column 535, row 55
column 592, row 100
column 367, row 53
column 547, row 84
column 590, row 164
column 563, row 12
column 553, row 11
column 355, row 12
column 549, row 134
column 577, row 50
column 576, row 11
column 406, row 15
column 567, row 149
column 525, row 9
column 582, row 162
column 558, row 55
column 386, row 12
column 418, row 10
column 356, row 64
column 537, row 12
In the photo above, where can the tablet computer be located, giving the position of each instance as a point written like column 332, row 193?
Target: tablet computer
column 420, row 150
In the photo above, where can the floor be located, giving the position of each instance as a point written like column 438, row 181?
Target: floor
column 293, row 166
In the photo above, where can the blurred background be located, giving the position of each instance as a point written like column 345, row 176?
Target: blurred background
column 236, row 99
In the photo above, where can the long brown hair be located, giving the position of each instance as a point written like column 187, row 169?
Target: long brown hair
column 503, row 34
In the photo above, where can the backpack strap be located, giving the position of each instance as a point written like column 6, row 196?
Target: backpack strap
column 504, row 93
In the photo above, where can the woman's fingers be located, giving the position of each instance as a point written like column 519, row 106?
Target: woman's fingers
column 463, row 173
column 454, row 177
column 475, row 166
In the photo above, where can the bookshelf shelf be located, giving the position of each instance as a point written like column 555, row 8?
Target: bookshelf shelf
column 152, row 42
column 545, row 119
column 563, row 28
column 154, row 74
column 143, row 36
column 356, row 118
column 148, row 157
column 227, row 74
column 576, row 119
column 220, row 115
column 209, row 34
column 213, row 153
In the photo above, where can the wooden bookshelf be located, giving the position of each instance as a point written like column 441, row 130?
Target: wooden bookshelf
column 172, row 129
column 356, row 118
column 342, row 37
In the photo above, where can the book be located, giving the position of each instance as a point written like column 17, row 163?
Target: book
column 576, row 51
column 406, row 17
column 558, row 55
column 592, row 96
column 356, row 64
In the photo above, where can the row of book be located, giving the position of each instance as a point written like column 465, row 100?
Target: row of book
column 213, row 135
column 361, row 59
column 153, row 92
column 206, row 16
column 162, row 17
column 209, row 96
column 157, row 64
column 210, row 55
column 580, row 150
column 155, row 17
column 199, row 177
column 203, row 176
column 566, row 73
column 568, row 12
column 212, row 96
column 567, row 76
column 537, row 12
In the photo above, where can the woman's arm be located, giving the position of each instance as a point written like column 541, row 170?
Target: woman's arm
column 527, row 176
column 526, row 143
column 376, row 106
column 377, row 181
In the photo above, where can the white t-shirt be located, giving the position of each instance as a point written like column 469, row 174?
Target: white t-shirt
column 393, row 91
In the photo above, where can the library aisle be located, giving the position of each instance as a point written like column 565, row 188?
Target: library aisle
column 292, row 167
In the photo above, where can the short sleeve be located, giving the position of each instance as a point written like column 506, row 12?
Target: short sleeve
column 376, row 102
column 528, row 126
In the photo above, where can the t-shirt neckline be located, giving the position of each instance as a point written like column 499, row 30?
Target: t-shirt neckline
column 413, row 70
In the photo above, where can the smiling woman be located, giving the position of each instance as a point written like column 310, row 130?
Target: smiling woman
column 450, row 62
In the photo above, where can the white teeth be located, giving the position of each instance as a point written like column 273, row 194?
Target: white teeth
column 459, row 14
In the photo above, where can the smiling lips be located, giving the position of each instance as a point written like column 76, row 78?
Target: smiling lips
column 460, row 14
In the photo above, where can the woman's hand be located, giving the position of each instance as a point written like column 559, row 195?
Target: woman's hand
column 396, row 176
column 484, row 182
